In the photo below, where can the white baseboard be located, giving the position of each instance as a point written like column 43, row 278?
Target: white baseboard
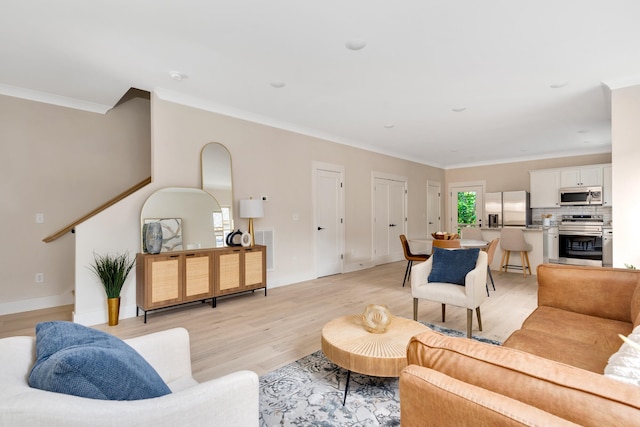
column 36, row 303
column 356, row 266
column 100, row 316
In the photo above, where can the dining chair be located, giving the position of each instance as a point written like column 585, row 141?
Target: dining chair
column 471, row 233
column 491, row 250
column 453, row 277
column 445, row 244
column 410, row 257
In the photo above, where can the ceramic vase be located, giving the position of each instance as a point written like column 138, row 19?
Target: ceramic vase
column 113, row 306
column 153, row 237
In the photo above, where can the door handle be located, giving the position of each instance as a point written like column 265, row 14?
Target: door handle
column 392, row 225
column 320, row 228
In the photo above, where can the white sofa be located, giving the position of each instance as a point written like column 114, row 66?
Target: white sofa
column 231, row 400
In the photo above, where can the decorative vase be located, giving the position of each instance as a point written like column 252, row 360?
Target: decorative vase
column 113, row 305
column 153, row 237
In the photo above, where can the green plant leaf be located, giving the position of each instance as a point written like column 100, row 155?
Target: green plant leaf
column 112, row 270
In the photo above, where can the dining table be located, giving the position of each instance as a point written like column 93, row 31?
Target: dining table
column 424, row 245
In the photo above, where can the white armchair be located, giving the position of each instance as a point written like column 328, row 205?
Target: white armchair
column 231, row 400
column 469, row 296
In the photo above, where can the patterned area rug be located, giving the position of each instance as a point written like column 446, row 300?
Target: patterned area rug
column 309, row 392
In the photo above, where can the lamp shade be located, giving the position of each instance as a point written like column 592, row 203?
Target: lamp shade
column 251, row 208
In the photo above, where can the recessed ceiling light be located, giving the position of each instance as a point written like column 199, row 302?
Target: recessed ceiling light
column 278, row 84
column 583, row 131
column 458, row 109
column 176, row 75
column 389, row 126
column 558, row 85
column 355, row 44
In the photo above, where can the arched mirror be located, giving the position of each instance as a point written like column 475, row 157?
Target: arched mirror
column 190, row 219
column 217, row 180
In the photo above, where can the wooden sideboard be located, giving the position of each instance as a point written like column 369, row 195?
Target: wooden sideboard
column 173, row 278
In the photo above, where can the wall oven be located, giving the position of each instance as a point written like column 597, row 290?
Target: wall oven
column 580, row 240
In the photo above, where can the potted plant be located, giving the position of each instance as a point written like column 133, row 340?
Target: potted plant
column 112, row 270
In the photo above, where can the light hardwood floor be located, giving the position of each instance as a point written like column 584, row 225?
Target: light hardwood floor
column 261, row 333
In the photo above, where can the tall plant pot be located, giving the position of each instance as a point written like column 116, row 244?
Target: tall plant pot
column 113, row 304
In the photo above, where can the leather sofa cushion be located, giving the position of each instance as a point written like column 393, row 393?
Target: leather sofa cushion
column 596, row 336
column 581, row 289
column 560, row 389
column 563, row 350
column 430, row 398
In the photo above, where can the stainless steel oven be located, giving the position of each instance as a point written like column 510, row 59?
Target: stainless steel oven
column 580, row 240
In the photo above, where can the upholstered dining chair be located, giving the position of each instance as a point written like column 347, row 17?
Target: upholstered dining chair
column 445, row 244
column 410, row 257
column 453, row 277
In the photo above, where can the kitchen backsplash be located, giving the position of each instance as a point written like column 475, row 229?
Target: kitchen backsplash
column 556, row 213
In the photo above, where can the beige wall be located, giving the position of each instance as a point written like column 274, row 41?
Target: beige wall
column 625, row 132
column 63, row 163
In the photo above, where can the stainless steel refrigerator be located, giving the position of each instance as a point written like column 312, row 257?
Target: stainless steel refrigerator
column 507, row 209
column 493, row 210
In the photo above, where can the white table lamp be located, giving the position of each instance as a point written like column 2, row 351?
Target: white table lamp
column 251, row 208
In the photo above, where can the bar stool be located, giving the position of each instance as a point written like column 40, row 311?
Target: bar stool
column 512, row 240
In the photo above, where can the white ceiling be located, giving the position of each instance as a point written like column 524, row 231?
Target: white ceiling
column 423, row 58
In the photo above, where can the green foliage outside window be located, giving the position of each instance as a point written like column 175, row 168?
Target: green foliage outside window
column 467, row 207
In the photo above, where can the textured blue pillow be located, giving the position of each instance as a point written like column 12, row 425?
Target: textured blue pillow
column 81, row 361
column 452, row 265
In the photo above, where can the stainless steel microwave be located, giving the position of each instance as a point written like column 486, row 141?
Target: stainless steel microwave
column 578, row 196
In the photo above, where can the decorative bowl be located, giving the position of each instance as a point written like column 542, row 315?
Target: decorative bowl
column 445, row 236
column 376, row 318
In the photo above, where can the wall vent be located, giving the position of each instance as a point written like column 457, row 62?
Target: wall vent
column 265, row 237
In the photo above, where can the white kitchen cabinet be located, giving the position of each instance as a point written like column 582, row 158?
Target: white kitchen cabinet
column 551, row 245
column 607, row 187
column 582, row 176
column 544, row 185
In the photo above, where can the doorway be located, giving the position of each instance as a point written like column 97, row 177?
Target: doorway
column 433, row 207
column 466, row 206
column 328, row 218
column 389, row 217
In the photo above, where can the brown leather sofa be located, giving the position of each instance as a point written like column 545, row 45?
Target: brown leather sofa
column 549, row 372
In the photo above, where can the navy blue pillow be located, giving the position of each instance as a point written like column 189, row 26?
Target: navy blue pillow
column 81, row 361
column 452, row 265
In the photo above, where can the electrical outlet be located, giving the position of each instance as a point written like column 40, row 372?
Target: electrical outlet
column 39, row 277
column 265, row 198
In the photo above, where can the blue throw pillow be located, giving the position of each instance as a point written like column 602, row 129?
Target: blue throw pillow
column 452, row 265
column 81, row 361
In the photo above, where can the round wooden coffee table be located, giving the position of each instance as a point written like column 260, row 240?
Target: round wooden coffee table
column 347, row 343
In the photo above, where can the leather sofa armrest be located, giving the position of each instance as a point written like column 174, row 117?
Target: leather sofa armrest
column 570, row 393
column 431, row 398
column 600, row 292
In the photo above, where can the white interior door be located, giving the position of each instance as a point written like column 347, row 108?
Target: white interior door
column 389, row 198
column 328, row 222
column 459, row 217
column 433, row 208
